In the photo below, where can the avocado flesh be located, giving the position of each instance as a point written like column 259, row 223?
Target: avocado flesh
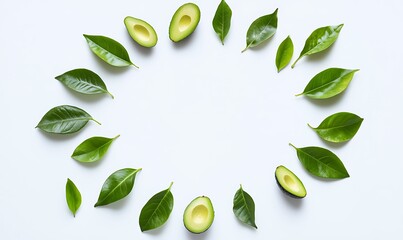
column 198, row 215
column 141, row 32
column 289, row 182
column 184, row 22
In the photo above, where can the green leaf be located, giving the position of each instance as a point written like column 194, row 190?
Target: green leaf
column 339, row 127
column 244, row 207
column 157, row 210
column 83, row 81
column 109, row 50
column 222, row 20
column 92, row 149
column 117, row 186
column 284, row 53
column 261, row 29
column 64, row 119
column 321, row 162
column 319, row 40
column 73, row 197
column 328, row 83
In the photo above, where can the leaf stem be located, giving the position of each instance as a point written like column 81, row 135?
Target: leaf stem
column 96, row 121
column 170, row 185
column 116, row 136
column 299, row 94
column 293, row 146
column 247, row 46
column 293, row 65
column 135, row 66
column 113, row 97
column 310, row 126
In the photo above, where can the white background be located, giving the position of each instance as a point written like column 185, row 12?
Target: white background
column 202, row 115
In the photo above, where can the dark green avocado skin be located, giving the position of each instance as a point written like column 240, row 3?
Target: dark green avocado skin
column 285, row 191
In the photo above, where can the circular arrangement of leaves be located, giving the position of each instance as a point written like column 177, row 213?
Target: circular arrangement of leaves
column 320, row 162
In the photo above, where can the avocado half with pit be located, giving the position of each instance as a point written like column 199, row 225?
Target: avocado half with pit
column 289, row 182
column 199, row 215
column 184, row 22
column 141, row 32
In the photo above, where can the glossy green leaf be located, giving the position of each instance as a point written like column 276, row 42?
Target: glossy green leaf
column 64, row 119
column 328, row 83
column 92, row 149
column 222, row 20
column 261, row 30
column 117, row 186
column 157, row 210
column 321, row 162
column 109, row 50
column 339, row 127
column 319, row 40
column 83, row 81
column 284, row 53
column 244, row 207
column 73, row 197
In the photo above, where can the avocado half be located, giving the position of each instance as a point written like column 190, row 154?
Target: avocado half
column 184, row 22
column 289, row 182
column 198, row 215
column 141, row 32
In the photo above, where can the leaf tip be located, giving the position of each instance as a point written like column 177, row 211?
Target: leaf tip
column 310, row 126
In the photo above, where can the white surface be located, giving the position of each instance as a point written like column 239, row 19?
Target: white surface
column 202, row 115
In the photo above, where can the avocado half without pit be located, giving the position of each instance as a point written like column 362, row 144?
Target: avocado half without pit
column 198, row 215
column 141, row 32
column 289, row 182
column 184, row 22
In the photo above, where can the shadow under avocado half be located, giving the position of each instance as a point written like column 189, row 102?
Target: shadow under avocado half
column 200, row 236
column 185, row 42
